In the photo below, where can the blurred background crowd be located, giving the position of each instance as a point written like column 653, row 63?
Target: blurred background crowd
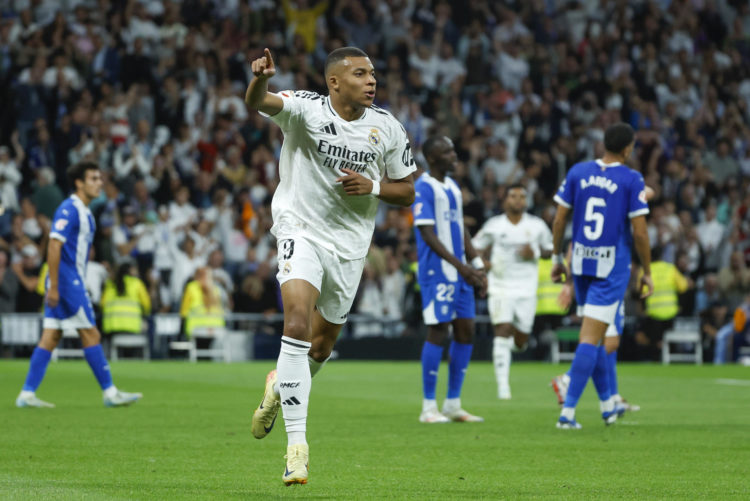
column 152, row 90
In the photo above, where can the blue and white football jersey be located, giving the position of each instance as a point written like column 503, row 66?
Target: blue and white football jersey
column 603, row 197
column 74, row 226
column 438, row 204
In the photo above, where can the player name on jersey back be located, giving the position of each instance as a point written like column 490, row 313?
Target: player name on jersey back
column 603, row 197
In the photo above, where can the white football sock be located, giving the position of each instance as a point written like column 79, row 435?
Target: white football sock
column 568, row 413
column 294, row 381
column 315, row 366
column 501, row 359
column 429, row 405
column 451, row 404
column 607, row 405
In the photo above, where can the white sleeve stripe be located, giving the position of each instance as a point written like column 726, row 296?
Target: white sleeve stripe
column 639, row 212
column 58, row 236
column 424, row 222
column 562, row 202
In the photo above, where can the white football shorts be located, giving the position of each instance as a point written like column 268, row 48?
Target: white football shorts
column 519, row 311
column 336, row 279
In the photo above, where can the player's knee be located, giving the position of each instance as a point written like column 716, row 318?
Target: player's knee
column 296, row 326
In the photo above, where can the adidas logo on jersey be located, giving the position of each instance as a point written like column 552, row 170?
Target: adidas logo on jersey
column 329, row 129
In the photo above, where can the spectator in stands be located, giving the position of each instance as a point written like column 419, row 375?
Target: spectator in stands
column 713, row 319
column 734, row 280
column 8, row 284
column 10, row 175
column 47, row 196
column 733, row 335
column 26, row 270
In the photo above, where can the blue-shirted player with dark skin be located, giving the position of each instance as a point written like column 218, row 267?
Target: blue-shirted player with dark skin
column 67, row 304
column 446, row 280
column 605, row 197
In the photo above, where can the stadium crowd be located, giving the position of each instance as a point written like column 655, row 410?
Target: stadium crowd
column 152, row 90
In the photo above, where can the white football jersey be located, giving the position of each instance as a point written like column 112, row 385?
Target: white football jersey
column 510, row 275
column 318, row 143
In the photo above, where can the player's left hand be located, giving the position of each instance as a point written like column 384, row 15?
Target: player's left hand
column 558, row 272
column 355, row 183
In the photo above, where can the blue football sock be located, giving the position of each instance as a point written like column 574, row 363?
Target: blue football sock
column 612, row 371
column 98, row 363
column 600, row 376
column 580, row 372
column 37, row 367
column 460, row 354
column 431, row 356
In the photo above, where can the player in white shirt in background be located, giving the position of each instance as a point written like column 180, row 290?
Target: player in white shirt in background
column 341, row 155
column 516, row 241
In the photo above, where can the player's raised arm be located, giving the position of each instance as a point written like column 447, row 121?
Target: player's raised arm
column 257, row 96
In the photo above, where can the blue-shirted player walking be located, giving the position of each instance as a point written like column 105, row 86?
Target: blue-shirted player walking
column 67, row 304
column 603, row 195
column 446, row 281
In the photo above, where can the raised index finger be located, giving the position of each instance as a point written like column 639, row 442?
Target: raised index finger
column 269, row 59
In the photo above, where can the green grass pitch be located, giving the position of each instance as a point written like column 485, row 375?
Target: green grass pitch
column 189, row 438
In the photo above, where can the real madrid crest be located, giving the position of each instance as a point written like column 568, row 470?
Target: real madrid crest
column 374, row 137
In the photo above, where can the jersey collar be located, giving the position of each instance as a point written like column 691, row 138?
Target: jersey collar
column 604, row 165
column 330, row 107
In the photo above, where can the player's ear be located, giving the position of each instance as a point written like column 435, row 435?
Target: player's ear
column 333, row 82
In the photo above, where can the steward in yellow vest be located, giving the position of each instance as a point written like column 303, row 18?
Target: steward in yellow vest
column 663, row 304
column 201, row 304
column 548, row 291
column 125, row 302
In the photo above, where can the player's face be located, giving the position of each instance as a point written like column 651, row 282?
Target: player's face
column 515, row 201
column 354, row 79
column 92, row 184
column 444, row 156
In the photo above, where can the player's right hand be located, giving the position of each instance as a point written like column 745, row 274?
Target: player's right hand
column 263, row 67
column 646, row 283
column 475, row 278
column 558, row 272
column 565, row 297
column 53, row 297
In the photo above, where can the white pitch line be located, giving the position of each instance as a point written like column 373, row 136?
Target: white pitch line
column 734, row 382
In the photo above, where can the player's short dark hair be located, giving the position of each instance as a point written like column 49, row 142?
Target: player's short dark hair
column 516, row 186
column 617, row 137
column 342, row 53
column 429, row 145
column 78, row 172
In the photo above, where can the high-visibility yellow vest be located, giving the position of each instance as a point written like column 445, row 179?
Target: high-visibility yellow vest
column 194, row 310
column 42, row 278
column 668, row 283
column 548, row 291
column 124, row 313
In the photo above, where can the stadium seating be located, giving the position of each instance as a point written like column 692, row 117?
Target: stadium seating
column 129, row 341
column 564, row 337
column 686, row 333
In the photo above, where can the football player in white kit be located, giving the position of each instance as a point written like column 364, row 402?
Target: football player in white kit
column 517, row 240
column 341, row 155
